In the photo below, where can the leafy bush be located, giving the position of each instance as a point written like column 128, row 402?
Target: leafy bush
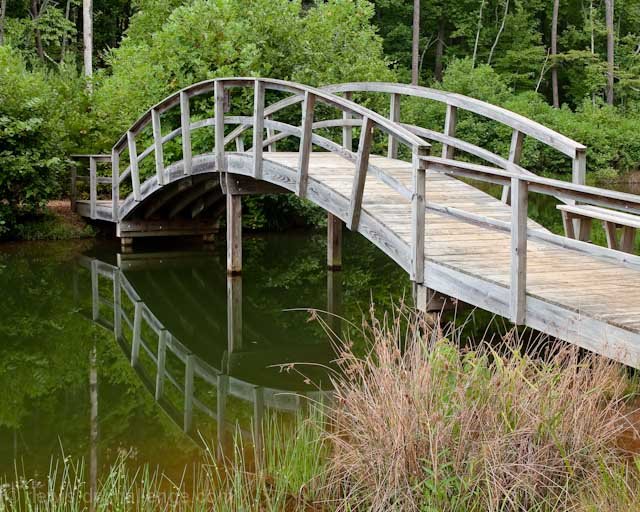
column 38, row 111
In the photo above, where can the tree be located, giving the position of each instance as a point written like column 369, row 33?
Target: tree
column 87, row 37
column 415, row 50
column 3, row 12
column 610, row 49
column 554, row 53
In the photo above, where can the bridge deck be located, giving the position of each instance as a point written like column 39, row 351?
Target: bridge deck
column 582, row 298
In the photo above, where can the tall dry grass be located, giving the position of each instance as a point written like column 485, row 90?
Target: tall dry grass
column 419, row 423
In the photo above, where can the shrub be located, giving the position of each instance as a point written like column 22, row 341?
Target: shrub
column 32, row 141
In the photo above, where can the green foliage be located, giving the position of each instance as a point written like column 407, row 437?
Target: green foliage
column 31, row 135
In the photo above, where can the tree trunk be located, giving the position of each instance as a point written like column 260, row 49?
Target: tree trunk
column 415, row 50
column 610, row 49
column 87, row 36
column 475, row 45
column 439, row 51
column 3, row 10
column 500, row 30
column 35, row 12
column 554, row 53
column 63, row 47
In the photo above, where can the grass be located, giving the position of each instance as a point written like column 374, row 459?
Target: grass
column 418, row 422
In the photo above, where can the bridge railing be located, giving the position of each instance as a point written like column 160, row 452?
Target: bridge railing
column 367, row 120
column 92, row 179
column 520, row 126
column 520, row 187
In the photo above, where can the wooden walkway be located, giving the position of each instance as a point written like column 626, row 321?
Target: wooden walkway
column 448, row 235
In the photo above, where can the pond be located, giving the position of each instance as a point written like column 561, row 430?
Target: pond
column 150, row 354
column 192, row 345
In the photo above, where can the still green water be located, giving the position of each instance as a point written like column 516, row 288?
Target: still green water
column 208, row 351
column 208, row 347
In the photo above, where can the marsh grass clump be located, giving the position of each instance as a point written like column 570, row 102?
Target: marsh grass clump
column 420, row 423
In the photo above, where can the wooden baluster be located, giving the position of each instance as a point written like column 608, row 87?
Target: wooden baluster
column 270, row 133
column 362, row 165
column 185, row 125
column 157, row 143
column 93, row 187
column 515, row 151
column 579, row 167
column 115, row 184
column 418, row 215
column 450, row 121
column 219, row 115
column 305, row 143
column 394, row 115
column 258, row 127
column 160, row 363
column 239, row 144
column 133, row 161
column 519, row 208
column 347, row 131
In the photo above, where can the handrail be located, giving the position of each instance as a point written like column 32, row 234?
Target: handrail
column 520, row 125
column 261, row 119
column 520, row 186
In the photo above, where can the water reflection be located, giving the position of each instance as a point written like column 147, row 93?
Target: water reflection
column 194, row 389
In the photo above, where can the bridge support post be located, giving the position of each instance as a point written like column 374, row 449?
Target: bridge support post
column 234, row 234
column 126, row 243
column 334, row 242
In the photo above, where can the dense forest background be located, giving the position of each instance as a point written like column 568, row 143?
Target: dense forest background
column 573, row 65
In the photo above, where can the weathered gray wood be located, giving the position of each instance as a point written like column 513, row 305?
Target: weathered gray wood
column 305, row 143
column 394, row 115
column 418, row 219
column 115, row 184
column 360, row 176
column 219, row 126
column 157, row 144
column 133, row 164
column 611, row 233
column 504, row 116
column 239, row 144
column 270, row 133
column 579, row 167
column 334, row 242
column 515, row 152
column 519, row 208
column 347, row 131
column 185, row 125
column 234, row 234
column 93, row 186
column 450, row 121
column 628, row 239
column 258, row 128
column 567, row 222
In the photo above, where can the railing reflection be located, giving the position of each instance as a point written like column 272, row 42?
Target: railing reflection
column 181, row 382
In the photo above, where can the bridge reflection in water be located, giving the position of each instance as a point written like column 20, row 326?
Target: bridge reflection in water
column 161, row 317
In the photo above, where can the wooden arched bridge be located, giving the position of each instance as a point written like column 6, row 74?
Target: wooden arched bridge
column 448, row 235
